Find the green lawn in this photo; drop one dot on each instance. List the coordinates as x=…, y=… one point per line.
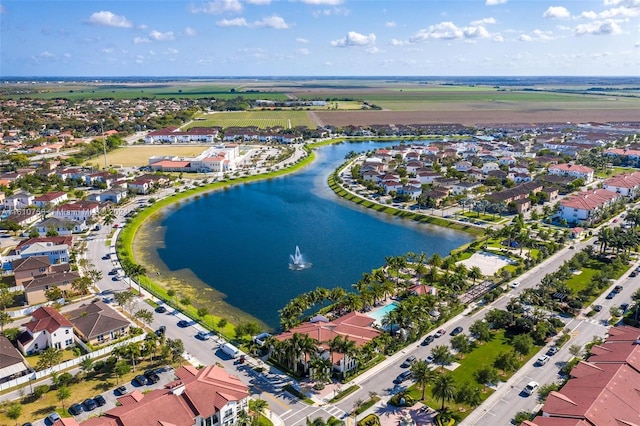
x=479, y=358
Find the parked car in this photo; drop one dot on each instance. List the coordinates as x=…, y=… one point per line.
x=617, y=289
x=456, y=331
x=553, y=350
x=161, y=309
x=121, y=390
x=427, y=340
x=624, y=307
x=633, y=274
x=75, y=409
x=440, y=332
x=161, y=331
x=429, y=359
x=140, y=380
x=542, y=360
x=597, y=308
x=100, y=401
x=151, y=376
x=89, y=404
x=530, y=388
x=202, y=335
x=183, y=323
x=514, y=284
x=407, y=362
x=405, y=375
x=53, y=417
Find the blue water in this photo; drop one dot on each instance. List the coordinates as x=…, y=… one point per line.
x=238, y=241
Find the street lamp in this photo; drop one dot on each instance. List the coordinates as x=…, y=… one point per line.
x=104, y=143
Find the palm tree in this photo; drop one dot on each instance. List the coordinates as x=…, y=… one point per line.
x=442, y=356
x=444, y=388
x=257, y=407
x=475, y=273
x=422, y=375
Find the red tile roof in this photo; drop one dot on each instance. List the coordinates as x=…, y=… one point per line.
x=47, y=318
x=50, y=196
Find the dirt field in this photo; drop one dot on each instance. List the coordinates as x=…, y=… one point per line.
x=138, y=155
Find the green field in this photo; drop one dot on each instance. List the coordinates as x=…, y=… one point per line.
x=262, y=119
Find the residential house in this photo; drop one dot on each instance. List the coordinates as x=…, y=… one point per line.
x=24, y=217
x=20, y=200
x=516, y=193
x=25, y=269
x=603, y=390
x=421, y=290
x=353, y=326
x=466, y=188
x=140, y=186
x=12, y=364
x=575, y=171
x=628, y=157
x=114, y=195
x=64, y=227
x=80, y=211
x=210, y=396
x=627, y=185
x=587, y=206
x=97, y=323
x=47, y=329
x=35, y=290
x=55, y=248
x=50, y=199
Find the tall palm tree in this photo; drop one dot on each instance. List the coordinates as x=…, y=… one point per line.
x=422, y=375
x=444, y=388
x=257, y=407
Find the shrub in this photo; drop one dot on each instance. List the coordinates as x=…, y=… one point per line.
x=370, y=420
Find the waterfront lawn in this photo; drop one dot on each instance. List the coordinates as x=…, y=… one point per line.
x=479, y=358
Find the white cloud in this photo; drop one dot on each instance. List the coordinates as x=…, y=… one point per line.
x=46, y=54
x=273, y=21
x=449, y=31
x=140, y=40
x=190, y=32
x=302, y=40
x=637, y=44
x=598, y=28
x=390, y=24
x=172, y=51
x=484, y=21
x=354, y=39
x=525, y=37
x=498, y=38
x=158, y=36
x=108, y=19
x=322, y=2
x=373, y=50
x=336, y=11
x=629, y=3
x=536, y=35
x=395, y=42
x=259, y=2
x=556, y=12
x=237, y=22
x=217, y=7
x=303, y=51
x=589, y=15
x=620, y=12
x=494, y=2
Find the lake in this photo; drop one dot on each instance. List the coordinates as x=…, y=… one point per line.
x=234, y=246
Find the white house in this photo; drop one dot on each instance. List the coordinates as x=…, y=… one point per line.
x=80, y=211
x=114, y=195
x=572, y=170
x=60, y=226
x=489, y=167
x=57, y=253
x=465, y=188
x=20, y=200
x=47, y=329
x=50, y=199
x=627, y=185
x=586, y=206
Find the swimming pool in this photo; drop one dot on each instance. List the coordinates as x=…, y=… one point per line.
x=380, y=313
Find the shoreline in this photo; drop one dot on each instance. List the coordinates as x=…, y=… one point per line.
x=129, y=248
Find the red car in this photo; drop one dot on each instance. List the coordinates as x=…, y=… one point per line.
x=440, y=332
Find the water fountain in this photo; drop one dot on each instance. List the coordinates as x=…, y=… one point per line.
x=297, y=262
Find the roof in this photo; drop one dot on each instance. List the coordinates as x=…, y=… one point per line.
x=55, y=278
x=50, y=196
x=30, y=263
x=589, y=200
x=9, y=355
x=95, y=319
x=47, y=318
x=571, y=168
x=171, y=163
x=67, y=239
x=196, y=393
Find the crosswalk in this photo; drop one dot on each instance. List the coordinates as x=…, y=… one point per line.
x=601, y=323
x=335, y=411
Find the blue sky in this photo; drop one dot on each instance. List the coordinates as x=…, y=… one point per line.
x=319, y=38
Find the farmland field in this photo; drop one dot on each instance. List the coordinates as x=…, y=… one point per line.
x=261, y=119
x=138, y=155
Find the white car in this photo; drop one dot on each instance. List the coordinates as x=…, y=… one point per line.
x=514, y=284
x=542, y=360
x=530, y=388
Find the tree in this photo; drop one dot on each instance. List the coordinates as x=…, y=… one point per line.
x=486, y=376
x=469, y=394
x=444, y=388
x=442, y=356
x=53, y=293
x=176, y=349
x=4, y=320
x=506, y=361
x=6, y=297
x=48, y=358
x=121, y=368
x=86, y=365
x=257, y=407
x=63, y=394
x=203, y=311
x=461, y=343
x=144, y=315
x=575, y=350
x=475, y=273
x=81, y=284
x=522, y=344
x=480, y=330
x=422, y=375
x=14, y=411
x=249, y=328
x=124, y=299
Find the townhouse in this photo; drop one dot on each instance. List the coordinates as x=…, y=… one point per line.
x=586, y=207
x=47, y=329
